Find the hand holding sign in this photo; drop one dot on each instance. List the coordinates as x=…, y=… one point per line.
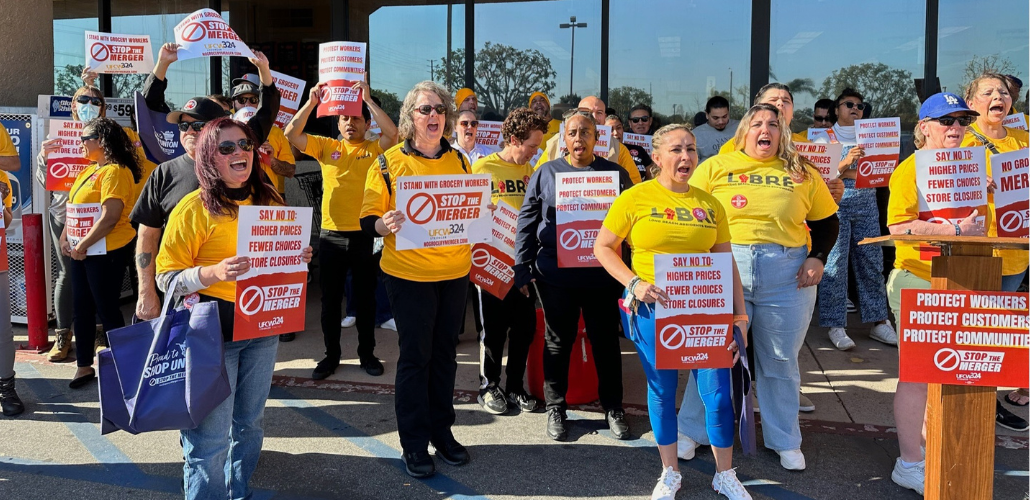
x=970, y=226
x=393, y=220
x=231, y=268
x=168, y=54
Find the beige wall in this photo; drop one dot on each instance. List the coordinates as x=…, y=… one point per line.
x=27, y=57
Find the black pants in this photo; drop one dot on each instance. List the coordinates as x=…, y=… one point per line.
x=96, y=290
x=428, y=316
x=562, y=306
x=512, y=319
x=339, y=251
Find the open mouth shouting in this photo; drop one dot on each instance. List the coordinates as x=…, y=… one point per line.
x=238, y=165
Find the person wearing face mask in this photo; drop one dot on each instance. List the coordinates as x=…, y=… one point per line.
x=617, y=153
x=717, y=130
x=541, y=105
x=175, y=178
x=859, y=219
x=512, y=318
x=342, y=244
x=277, y=160
x=565, y=293
x=465, y=130
x=640, y=157
x=943, y=119
x=641, y=120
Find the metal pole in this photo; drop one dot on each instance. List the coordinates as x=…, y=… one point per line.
x=731, y=89
x=447, y=69
x=104, y=18
x=470, y=44
x=605, y=21
x=930, y=49
x=572, y=56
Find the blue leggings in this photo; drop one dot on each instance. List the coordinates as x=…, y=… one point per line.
x=714, y=387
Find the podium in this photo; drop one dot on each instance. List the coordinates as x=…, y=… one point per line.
x=960, y=419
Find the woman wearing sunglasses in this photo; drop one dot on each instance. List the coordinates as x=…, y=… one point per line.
x=99, y=257
x=427, y=287
x=465, y=130
x=199, y=246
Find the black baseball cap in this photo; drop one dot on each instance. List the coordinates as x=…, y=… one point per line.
x=200, y=108
x=248, y=84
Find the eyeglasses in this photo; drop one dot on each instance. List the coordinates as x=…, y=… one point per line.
x=83, y=99
x=639, y=119
x=90, y=137
x=244, y=100
x=425, y=109
x=184, y=126
x=848, y=104
x=227, y=148
x=948, y=121
x=466, y=123
x=820, y=118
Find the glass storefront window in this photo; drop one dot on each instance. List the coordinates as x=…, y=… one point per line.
x=71, y=22
x=674, y=55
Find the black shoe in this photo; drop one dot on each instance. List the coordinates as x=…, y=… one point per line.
x=372, y=366
x=287, y=337
x=1009, y=420
x=556, y=429
x=325, y=368
x=9, y=400
x=493, y=400
x=79, y=382
x=523, y=400
x=418, y=464
x=452, y=453
x=617, y=423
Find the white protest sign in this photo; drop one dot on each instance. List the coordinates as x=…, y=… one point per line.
x=693, y=329
x=340, y=64
x=489, y=136
x=493, y=261
x=290, y=90
x=642, y=140
x=1017, y=120
x=582, y=201
x=443, y=210
x=116, y=54
x=821, y=135
x=601, y=147
x=951, y=183
x=881, y=140
x=1012, y=197
x=824, y=156
x=80, y=219
x=204, y=34
x=64, y=165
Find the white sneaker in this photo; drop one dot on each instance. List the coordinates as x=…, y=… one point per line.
x=348, y=321
x=685, y=447
x=804, y=404
x=909, y=477
x=792, y=459
x=840, y=339
x=667, y=485
x=389, y=325
x=851, y=307
x=884, y=333
x=726, y=484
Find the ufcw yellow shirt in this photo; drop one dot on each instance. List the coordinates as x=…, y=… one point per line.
x=6, y=144
x=194, y=237
x=97, y=184
x=344, y=166
x=1013, y=261
x=763, y=204
x=654, y=220
x=423, y=264
x=509, y=179
x=552, y=129
x=282, y=152
x=8, y=200
x=731, y=146
x=146, y=166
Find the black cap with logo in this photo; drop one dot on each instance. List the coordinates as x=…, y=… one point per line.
x=199, y=108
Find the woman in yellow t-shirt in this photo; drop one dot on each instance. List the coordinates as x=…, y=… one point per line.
x=427, y=287
x=631, y=219
x=10, y=403
x=199, y=247
x=105, y=187
x=770, y=193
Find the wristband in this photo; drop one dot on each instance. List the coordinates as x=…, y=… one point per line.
x=740, y=317
x=633, y=284
x=958, y=230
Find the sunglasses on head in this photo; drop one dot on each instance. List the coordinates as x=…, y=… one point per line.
x=848, y=104
x=83, y=99
x=227, y=148
x=425, y=109
x=573, y=112
x=184, y=126
x=948, y=121
x=466, y=123
x=89, y=137
x=244, y=100
x=639, y=119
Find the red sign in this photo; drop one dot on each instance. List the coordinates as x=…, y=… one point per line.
x=582, y=200
x=964, y=338
x=881, y=140
x=492, y=262
x=270, y=304
x=1012, y=198
x=338, y=98
x=693, y=328
x=61, y=172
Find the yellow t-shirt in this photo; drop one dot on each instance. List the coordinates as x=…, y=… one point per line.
x=146, y=166
x=8, y=200
x=509, y=179
x=731, y=146
x=654, y=220
x=6, y=144
x=423, y=264
x=282, y=152
x=762, y=202
x=99, y=184
x=1014, y=261
x=196, y=238
x=552, y=129
x=344, y=166
x=903, y=206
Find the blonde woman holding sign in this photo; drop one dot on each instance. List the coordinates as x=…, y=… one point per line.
x=630, y=219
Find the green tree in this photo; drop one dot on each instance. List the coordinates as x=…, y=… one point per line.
x=802, y=86
x=622, y=99
x=891, y=91
x=68, y=79
x=993, y=63
x=390, y=103
x=570, y=100
x=504, y=76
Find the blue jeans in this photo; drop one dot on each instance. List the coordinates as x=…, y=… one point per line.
x=780, y=314
x=859, y=219
x=716, y=389
x=1011, y=282
x=222, y=452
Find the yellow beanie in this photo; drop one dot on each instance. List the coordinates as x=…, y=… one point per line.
x=461, y=95
x=541, y=94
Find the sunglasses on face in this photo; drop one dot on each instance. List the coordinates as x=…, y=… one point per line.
x=848, y=104
x=184, y=126
x=948, y=121
x=425, y=109
x=640, y=119
x=83, y=99
x=89, y=137
x=242, y=100
x=466, y=123
x=821, y=118
x=227, y=148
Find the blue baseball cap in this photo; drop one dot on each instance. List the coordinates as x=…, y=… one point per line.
x=944, y=103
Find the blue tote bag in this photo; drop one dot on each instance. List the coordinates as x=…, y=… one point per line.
x=164, y=374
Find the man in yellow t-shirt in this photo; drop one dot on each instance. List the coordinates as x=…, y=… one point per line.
x=342, y=244
x=541, y=105
x=277, y=162
x=9, y=160
x=617, y=153
x=512, y=317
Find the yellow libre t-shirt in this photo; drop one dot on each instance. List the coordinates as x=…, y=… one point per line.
x=423, y=264
x=146, y=166
x=194, y=237
x=282, y=152
x=509, y=179
x=1014, y=261
x=903, y=206
x=552, y=129
x=344, y=166
x=654, y=220
x=111, y=182
x=763, y=204
x=731, y=146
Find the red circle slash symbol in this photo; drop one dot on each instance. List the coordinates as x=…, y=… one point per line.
x=480, y=257
x=194, y=32
x=421, y=208
x=673, y=336
x=326, y=94
x=1012, y=221
x=946, y=359
x=60, y=170
x=251, y=300
x=569, y=239
x=738, y=201
x=99, y=52
x=865, y=168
